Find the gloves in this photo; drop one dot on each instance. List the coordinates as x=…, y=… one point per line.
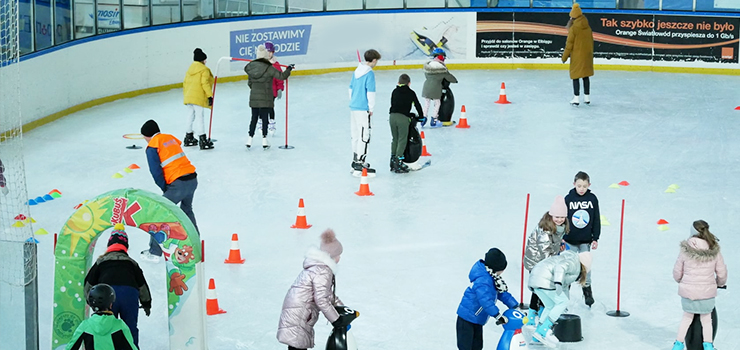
x=290, y=67
x=422, y=120
x=343, y=321
x=148, y=311
x=4, y=190
x=280, y=94
x=210, y=101
x=558, y=288
x=501, y=320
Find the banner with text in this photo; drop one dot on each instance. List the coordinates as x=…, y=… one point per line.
x=289, y=41
x=623, y=36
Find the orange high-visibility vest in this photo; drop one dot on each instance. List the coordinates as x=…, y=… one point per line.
x=172, y=159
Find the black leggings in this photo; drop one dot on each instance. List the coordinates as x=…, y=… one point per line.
x=292, y=348
x=577, y=87
x=259, y=113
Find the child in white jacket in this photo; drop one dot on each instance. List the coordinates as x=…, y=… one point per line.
x=312, y=291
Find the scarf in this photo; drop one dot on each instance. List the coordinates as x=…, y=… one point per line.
x=498, y=281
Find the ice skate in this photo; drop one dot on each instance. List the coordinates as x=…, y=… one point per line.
x=677, y=345
x=708, y=346
x=146, y=255
x=588, y=295
x=399, y=167
x=205, y=143
x=587, y=99
x=435, y=123
x=249, y=142
x=190, y=140
x=265, y=143
x=575, y=101
x=271, y=127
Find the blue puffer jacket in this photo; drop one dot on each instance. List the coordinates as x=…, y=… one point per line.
x=479, y=301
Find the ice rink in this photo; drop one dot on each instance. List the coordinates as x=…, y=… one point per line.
x=409, y=248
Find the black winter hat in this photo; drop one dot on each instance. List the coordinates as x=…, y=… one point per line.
x=199, y=55
x=150, y=128
x=495, y=260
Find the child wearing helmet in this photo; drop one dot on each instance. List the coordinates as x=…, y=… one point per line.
x=116, y=269
x=436, y=74
x=102, y=331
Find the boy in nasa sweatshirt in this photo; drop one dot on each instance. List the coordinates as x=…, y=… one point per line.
x=585, y=223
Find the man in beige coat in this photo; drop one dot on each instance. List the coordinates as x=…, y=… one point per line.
x=580, y=48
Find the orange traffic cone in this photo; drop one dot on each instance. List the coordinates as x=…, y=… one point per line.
x=364, y=187
x=235, y=255
x=300, y=220
x=463, y=124
x=212, y=300
x=424, y=152
x=502, y=96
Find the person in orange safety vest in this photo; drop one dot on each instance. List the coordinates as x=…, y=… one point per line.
x=173, y=173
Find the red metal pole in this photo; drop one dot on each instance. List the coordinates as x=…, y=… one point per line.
x=524, y=244
x=286, y=113
x=619, y=274
x=55, y=241
x=210, y=123
x=202, y=250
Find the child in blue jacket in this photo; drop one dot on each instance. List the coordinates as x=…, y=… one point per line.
x=479, y=301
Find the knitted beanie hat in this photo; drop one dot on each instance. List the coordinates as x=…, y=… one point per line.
x=118, y=240
x=199, y=55
x=495, y=260
x=269, y=46
x=576, y=12
x=330, y=244
x=262, y=52
x=150, y=128
x=558, y=207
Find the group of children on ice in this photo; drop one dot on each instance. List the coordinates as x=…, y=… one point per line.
x=557, y=255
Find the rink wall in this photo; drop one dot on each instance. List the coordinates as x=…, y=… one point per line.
x=99, y=69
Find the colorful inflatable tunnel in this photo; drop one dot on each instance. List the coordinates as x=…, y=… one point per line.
x=177, y=236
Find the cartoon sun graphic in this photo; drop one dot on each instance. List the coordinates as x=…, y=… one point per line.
x=86, y=222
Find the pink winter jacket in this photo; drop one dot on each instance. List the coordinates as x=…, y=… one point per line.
x=312, y=291
x=699, y=270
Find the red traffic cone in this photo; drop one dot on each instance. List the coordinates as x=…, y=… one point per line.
x=364, y=187
x=502, y=96
x=300, y=220
x=235, y=255
x=463, y=124
x=737, y=108
x=424, y=152
x=212, y=300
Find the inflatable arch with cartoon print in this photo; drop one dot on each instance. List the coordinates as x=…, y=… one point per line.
x=178, y=238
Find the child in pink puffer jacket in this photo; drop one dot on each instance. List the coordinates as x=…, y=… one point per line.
x=699, y=270
x=312, y=291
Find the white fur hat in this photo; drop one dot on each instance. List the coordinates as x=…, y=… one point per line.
x=262, y=52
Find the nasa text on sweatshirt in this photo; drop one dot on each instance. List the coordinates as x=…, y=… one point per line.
x=585, y=220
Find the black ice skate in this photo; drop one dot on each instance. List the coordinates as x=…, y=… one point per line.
x=205, y=143
x=190, y=140
x=588, y=295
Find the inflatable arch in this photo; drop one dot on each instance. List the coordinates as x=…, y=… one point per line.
x=178, y=238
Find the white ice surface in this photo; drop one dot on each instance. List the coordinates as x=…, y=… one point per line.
x=409, y=248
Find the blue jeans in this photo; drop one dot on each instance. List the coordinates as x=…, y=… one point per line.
x=126, y=307
x=181, y=192
x=554, y=304
x=583, y=247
